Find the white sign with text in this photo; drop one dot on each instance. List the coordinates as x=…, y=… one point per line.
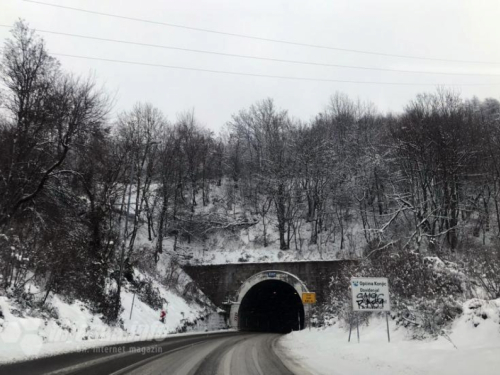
x=370, y=294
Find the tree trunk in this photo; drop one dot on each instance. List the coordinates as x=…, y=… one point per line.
x=280, y=212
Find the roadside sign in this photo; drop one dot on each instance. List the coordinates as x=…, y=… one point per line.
x=370, y=294
x=271, y=274
x=308, y=298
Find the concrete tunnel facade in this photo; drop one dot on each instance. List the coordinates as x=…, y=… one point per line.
x=229, y=286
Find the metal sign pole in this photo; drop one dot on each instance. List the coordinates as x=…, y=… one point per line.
x=310, y=308
x=387, y=321
x=350, y=328
x=132, y=307
x=357, y=325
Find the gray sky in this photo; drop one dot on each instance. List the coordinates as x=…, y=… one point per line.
x=447, y=29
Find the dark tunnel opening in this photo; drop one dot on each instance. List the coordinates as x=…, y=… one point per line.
x=271, y=306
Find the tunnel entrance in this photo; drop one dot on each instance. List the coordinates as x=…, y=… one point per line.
x=271, y=306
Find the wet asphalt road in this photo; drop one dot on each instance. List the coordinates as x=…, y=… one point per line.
x=230, y=353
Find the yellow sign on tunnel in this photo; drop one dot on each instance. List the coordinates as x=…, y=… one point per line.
x=308, y=297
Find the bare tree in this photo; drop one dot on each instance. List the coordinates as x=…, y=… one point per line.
x=139, y=132
x=48, y=110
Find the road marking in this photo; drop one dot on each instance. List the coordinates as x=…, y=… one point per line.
x=82, y=365
x=256, y=361
x=227, y=362
x=79, y=366
x=147, y=360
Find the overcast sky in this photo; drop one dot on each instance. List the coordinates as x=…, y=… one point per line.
x=446, y=29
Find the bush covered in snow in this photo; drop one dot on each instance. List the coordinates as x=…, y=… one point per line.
x=478, y=310
x=426, y=292
x=148, y=293
x=483, y=266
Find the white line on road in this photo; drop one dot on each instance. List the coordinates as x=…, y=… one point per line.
x=80, y=366
x=144, y=361
x=227, y=362
x=256, y=360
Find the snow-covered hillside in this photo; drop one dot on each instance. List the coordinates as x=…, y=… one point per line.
x=240, y=238
x=63, y=326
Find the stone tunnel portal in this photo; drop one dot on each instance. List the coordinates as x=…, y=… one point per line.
x=269, y=301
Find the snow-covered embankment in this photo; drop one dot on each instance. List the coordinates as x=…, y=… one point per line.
x=472, y=346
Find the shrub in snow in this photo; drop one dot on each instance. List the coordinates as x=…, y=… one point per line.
x=243, y=259
x=148, y=294
x=483, y=266
x=426, y=316
x=340, y=297
x=426, y=294
x=477, y=310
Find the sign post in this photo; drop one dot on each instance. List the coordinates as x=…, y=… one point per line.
x=387, y=321
x=132, y=307
x=357, y=326
x=309, y=299
x=370, y=294
x=350, y=328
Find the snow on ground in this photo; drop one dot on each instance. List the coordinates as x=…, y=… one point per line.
x=474, y=347
x=73, y=327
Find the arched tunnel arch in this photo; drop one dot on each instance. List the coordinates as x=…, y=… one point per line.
x=271, y=306
x=270, y=301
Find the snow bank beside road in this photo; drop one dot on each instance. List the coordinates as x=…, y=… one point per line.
x=73, y=327
x=476, y=334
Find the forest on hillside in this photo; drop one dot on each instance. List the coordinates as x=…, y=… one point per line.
x=425, y=180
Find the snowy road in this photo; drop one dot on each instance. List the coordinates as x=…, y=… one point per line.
x=217, y=354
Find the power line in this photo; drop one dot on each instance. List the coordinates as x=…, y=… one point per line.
x=257, y=57
x=271, y=76
x=260, y=38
